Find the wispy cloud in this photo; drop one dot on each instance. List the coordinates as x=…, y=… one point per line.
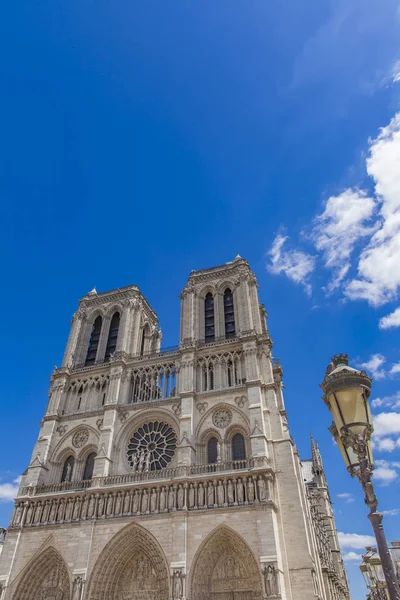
x=347, y=497
x=295, y=264
x=373, y=366
x=384, y=471
x=391, y=513
x=355, y=540
x=8, y=491
x=391, y=320
x=351, y=556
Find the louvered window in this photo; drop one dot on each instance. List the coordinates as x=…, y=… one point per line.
x=94, y=341
x=229, y=314
x=112, y=335
x=209, y=318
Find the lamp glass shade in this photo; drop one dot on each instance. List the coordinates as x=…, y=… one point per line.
x=350, y=458
x=366, y=576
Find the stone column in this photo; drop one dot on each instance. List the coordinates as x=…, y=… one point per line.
x=101, y=348
x=77, y=326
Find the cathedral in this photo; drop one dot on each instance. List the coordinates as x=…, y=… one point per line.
x=171, y=475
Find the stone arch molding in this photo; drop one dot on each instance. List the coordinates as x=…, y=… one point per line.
x=132, y=565
x=225, y=567
x=46, y=577
x=239, y=419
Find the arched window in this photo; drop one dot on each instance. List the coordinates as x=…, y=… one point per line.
x=94, y=341
x=68, y=469
x=112, y=335
x=212, y=450
x=89, y=466
x=143, y=340
x=209, y=328
x=238, y=447
x=229, y=314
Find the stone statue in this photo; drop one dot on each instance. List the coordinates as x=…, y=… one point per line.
x=127, y=503
x=148, y=457
x=153, y=500
x=75, y=513
x=239, y=491
x=181, y=496
x=45, y=513
x=220, y=493
x=53, y=511
x=210, y=494
x=218, y=452
x=162, y=499
x=201, y=495
x=171, y=498
x=29, y=513
x=118, y=503
x=68, y=512
x=145, y=501
x=271, y=580
x=191, y=495
x=141, y=461
x=77, y=588
x=68, y=472
x=262, y=489
x=135, y=503
x=178, y=585
x=250, y=490
x=18, y=514
x=100, y=506
x=109, y=505
x=134, y=463
x=231, y=496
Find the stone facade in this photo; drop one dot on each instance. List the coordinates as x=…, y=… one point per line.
x=171, y=475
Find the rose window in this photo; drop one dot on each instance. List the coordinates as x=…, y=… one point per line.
x=151, y=447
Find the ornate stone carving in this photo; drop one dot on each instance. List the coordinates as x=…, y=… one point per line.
x=202, y=407
x=222, y=418
x=77, y=587
x=99, y=423
x=80, y=438
x=241, y=401
x=151, y=447
x=270, y=576
x=61, y=429
x=178, y=580
x=177, y=409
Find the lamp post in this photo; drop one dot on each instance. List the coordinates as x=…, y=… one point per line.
x=346, y=392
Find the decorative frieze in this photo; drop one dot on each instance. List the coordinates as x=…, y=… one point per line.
x=101, y=504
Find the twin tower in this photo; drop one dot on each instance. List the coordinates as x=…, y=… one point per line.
x=171, y=475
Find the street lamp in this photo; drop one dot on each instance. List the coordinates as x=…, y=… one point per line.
x=346, y=392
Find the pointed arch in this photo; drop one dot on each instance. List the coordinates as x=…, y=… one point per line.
x=94, y=341
x=133, y=561
x=46, y=576
x=225, y=563
x=112, y=335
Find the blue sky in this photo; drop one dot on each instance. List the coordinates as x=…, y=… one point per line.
x=141, y=140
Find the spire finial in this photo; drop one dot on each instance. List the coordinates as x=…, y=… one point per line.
x=93, y=292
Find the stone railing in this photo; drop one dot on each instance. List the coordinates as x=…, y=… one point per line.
x=181, y=472
x=209, y=493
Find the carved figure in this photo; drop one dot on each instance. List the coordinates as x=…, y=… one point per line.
x=145, y=501
x=127, y=502
x=171, y=498
x=53, y=511
x=262, y=489
x=250, y=490
x=77, y=588
x=239, y=491
x=201, y=495
x=100, y=506
x=118, y=503
x=162, y=499
x=220, y=493
x=181, y=496
x=218, y=452
x=148, y=457
x=75, y=513
x=68, y=472
x=178, y=585
x=141, y=461
x=231, y=497
x=18, y=514
x=153, y=500
x=191, y=495
x=135, y=503
x=134, y=462
x=109, y=504
x=271, y=580
x=210, y=494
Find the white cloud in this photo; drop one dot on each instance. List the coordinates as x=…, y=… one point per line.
x=391, y=320
x=389, y=401
x=387, y=423
x=336, y=231
x=385, y=444
x=378, y=278
x=352, y=556
x=396, y=72
x=395, y=369
x=355, y=540
x=373, y=366
x=8, y=491
x=391, y=513
x=385, y=475
x=348, y=498
x=295, y=264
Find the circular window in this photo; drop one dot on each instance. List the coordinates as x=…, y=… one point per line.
x=151, y=447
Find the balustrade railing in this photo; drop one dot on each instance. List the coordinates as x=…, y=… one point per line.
x=180, y=472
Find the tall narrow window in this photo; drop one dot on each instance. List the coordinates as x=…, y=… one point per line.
x=238, y=447
x=143, y=341
x=112, y=335
x=68, y=469
x=94, y=341
x=212, y=450
x=229, y=314
x=89, y=466
x=209, y=331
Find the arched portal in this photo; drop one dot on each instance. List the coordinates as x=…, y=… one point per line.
x=132, y=566
x=225, y=569
x=45, y=578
